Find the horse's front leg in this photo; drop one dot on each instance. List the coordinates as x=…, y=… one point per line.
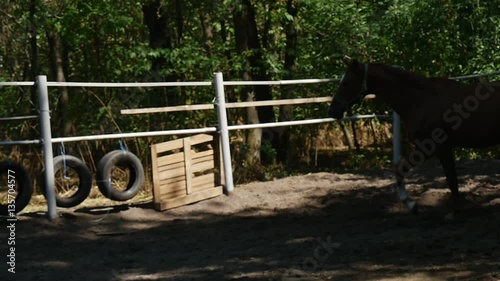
x=403, y=169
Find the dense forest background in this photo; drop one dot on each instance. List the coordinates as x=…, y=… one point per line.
x=188, y=40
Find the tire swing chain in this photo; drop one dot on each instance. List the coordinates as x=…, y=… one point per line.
x=63, y=163
x=124, y=149
x=122, y=145
x=63, y=154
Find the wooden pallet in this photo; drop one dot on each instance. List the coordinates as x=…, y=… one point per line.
x=186, y=171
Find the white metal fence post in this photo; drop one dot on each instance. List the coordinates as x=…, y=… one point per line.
x=223, y=131
x=46, y=134
x=396, y=133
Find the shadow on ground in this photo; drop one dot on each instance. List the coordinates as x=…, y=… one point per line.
x=313, y=227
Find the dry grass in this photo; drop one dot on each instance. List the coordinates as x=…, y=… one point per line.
x=39, y=204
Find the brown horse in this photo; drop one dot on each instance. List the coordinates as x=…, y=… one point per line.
x=438, y=114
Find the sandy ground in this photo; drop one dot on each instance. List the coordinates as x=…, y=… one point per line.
x=322, y=226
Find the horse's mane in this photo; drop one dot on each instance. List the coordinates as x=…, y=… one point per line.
x=417, y=81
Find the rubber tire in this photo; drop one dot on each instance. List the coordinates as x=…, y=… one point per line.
x=84, y=176
x=24, y=186
x=103, y=175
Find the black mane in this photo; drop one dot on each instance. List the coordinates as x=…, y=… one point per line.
x=429, y=85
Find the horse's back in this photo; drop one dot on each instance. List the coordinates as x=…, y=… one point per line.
x=471, y=114
x=468, y=114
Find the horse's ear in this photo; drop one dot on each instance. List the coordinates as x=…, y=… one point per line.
x=347, y=60
x=350, y=62
x=354, y=64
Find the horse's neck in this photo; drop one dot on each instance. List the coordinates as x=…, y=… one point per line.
x=399, y=90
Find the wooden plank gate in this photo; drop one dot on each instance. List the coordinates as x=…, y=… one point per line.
x=185, y=171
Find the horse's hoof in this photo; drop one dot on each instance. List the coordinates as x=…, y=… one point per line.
x=412, y=206
x=450, y=216
x=458, y=202
x=414, y=210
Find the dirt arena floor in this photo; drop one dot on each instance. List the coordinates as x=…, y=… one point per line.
x=322, y=226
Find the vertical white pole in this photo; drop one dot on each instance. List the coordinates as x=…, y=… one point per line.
x=46, y=134
x=396, y=135
x=223, y=131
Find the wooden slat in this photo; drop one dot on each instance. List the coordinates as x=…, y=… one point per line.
x=187, y=107
x=187, y=165
x=203, y=180
x=196, y=155
x=177, y=189
x=201, y=138
x=188, y=199
x=204, y=186
x=202, y=159
x=283, y=102
x=172, y=173
x=172, y=179
x=168, y=145
x=171, y=159
x=167, y=187
x=156, y=180
x=173, y=191
x=219, y=167
x=230, y=105
x=175, y=185
x=202, y=166
x=179, y=157
x=277, y=102
x=170, y=166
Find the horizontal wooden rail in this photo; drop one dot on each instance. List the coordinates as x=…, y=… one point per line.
x=229, y=105
x=277, y=102
x=282, y=102
x=167, y=109
x=279, y=82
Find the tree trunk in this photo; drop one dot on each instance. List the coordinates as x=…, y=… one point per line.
x=156, y=20
x=179, y=21
x=159, y=37
x=347, y=135
x=34, y=50
x=57, y=71
x=286, y=111
x=355, y=135
x=32, y=68
x=247, y=40
x=208, y=32
x=253, y=137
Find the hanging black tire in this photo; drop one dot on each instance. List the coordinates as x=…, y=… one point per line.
x=136, y=175
x=84, y=178
x=23, y=187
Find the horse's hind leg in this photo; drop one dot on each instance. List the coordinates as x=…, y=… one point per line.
x=447, y=159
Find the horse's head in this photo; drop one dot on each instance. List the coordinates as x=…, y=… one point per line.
x=352, y=88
